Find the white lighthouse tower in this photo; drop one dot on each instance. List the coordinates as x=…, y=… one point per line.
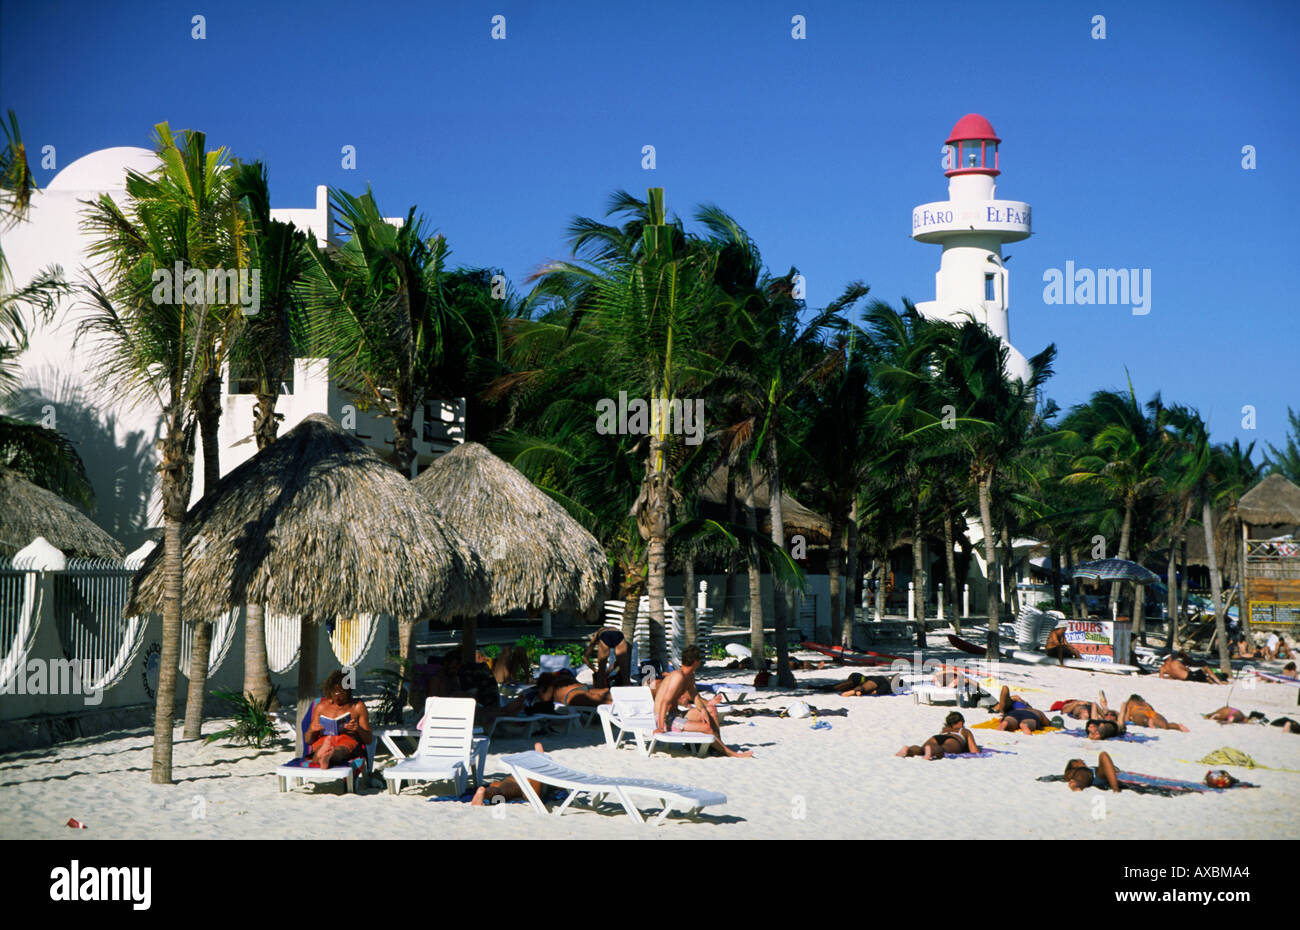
x=971, y=225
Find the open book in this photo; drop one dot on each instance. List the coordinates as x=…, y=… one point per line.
x=334, y=725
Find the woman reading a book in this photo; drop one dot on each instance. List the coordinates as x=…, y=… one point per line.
x=340, y=727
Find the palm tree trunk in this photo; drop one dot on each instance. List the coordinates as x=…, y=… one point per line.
x=403, y=438
x=406, y=650
x=658, y=569
x=733, y=558
x=833, y=572
x=257, y=673
x=1074, y=591
x=759, y=659
x=1171, y=596
x=991, y=645
x=851, y=592
x=1124, y=533
x=784, y=677
x=918, y=563
x=950, y=564
x=308, y=642
x=1007, y=570
x=688, y=601
x=882, y=575
x=171, y=648
x=1216, y=585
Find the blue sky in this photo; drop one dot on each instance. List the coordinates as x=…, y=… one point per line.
x=1129, y=148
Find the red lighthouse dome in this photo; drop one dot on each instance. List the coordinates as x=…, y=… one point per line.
x=972, y=147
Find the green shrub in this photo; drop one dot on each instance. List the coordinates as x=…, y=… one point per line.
x=392, y=691
x=533, y=646
x=491, y=651
x=717, y=651
x=253, y=725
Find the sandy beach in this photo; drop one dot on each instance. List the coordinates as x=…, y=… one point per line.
x=803, y=783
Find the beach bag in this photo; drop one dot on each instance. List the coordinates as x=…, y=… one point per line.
x=798, y=710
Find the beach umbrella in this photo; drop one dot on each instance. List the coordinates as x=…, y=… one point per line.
x=316, y=525
x=28, y=511
x=1115, y=570
x=537, y=556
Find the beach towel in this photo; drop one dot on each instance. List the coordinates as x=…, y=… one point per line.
x=1128, y=737
x=993, y=725
x=1229, y=756
x=1276, y=679
x=1154, y=784
x=984, y=753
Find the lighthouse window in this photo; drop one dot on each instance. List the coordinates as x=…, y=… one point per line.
x=989, y=293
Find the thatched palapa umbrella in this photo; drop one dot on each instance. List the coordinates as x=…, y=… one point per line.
x=28, y=511
x=316, y=525
x=1273, y=501
x=537, y=556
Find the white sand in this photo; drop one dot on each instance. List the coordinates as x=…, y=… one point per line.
x=802, y=783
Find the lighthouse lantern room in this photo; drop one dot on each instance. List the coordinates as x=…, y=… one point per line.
x=971, y=225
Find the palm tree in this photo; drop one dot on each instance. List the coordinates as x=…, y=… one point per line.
x=156, y=349
x=1287, y=459
x=994, y=418
x=264, y=355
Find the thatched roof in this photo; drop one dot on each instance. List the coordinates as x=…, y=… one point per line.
x=317, y=525
x=28, y=511
x=1274, y=500
x=536, y=555
x=794, y=516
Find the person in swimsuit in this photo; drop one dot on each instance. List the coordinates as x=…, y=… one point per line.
x=1105, y=727
x=353, y=736
x=1080, y=709
x=1138, y=711
x=859, y=685
x=672, y=717
x=567, y=690
x=1017, y=714
x=1245, y=648
x=613, y=657
x=1079, y=776
x=508, y=788
x=1176, y=667
x=1276, y=648
x=953, y=739
x=1288, y=671
x=1057, y=647
x=1227, y=714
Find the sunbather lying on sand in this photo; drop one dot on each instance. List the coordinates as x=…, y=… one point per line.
x=1227, y=714
x=1107, y=726
x=353, y=736
x=507, y=788
x=1079, y=776
x=670, y=716
x=1017, y=714
x=1177, y=667
x=1138, y=711
x=1233, y=715
x=1080, y=709
x=1288, y=671
x=859, y=685
x=953, y=739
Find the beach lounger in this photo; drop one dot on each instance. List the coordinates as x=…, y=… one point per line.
x=633, y=713
x=530, y=721
x=478, y=750
x=540, y=767
x=300, y=770
x=445, y=749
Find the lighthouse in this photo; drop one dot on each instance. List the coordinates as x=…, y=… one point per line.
x=972, y=225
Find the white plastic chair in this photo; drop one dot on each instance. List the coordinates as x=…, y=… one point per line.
x=297, y=771
x=632, y=712
x=445, y=749
x=539, y=767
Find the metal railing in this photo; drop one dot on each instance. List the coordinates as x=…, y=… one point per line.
x=89, y=595
x=19, y=617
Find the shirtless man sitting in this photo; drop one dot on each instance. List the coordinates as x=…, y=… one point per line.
x=353, y=736
x=1138, y=711
x=1176, y=667
x=1017, y=714
x=1057, y=647
x=671, y=716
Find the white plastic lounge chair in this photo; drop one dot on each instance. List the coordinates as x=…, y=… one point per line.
x=540, y=767
x=552, y=663
x=529, y=722
x=298, y=771
x=632, y=712
x=478, y=747
x=445, y=748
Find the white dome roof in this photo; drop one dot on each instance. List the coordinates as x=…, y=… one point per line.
x=104, y=170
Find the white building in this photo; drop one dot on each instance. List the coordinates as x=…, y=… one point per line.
x=114, y=434
x=971, y=225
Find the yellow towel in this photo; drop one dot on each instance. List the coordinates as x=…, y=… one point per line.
x=993, y=725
